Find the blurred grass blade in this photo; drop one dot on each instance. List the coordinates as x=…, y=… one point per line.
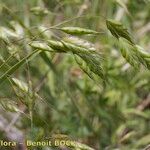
x=145, y=140
x=123, y=5
x=62, y=46
x=90, y=68
x=136, y=112
x=41, y=46
x=80, y=42
x=17, y=65
x=48, y=61
x=20, y=84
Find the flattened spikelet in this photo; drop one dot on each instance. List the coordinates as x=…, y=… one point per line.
x=40, y=45
x=8, y=105
x=118, y=30
x=77, y=31
x=23, y=87
x=83, y=65
x=63, y=46
x=80, y=42
x=91, y=65
x=17, y=65
x=131, y=52
x=134, y=55
x=7, y=35
x=20, y=84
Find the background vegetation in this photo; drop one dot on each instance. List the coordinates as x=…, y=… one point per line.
x=49, y=88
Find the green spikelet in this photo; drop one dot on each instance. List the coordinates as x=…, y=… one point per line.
x=40, y=45
x=9, y=105
x=90, y=65
x=63, y=46
x=57, y=46
x=133, y=54
x=77, y=31
x=80, y=42
x=118, y=30
x=83, y=65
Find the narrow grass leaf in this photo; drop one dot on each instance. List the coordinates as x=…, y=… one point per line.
x=48, y=61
